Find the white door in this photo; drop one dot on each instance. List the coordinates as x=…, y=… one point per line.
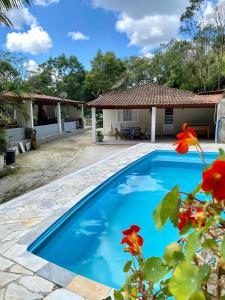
x=168, y=126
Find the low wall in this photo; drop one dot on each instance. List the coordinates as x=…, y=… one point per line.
x=15, y=134
x=70, y=126
x=47, y=130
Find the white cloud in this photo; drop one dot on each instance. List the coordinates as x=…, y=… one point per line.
x=78, y=36
x=147, y=23
x=45, y=2
x=34, y=41
x=141, y=8
x=21, y=17
x=32, y=66
x=149, y=31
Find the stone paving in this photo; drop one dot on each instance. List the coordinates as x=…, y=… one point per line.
x=24, y=276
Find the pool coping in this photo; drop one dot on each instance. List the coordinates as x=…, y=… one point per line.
x=75, y=283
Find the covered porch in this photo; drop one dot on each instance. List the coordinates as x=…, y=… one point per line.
x=152, y=112
x=49, y=116
x=154, y=124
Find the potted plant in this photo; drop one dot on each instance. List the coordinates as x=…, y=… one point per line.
x=99, y=136
x=3, y=148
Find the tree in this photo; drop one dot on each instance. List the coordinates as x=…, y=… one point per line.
x=12, y=86
x=139, y=71
x=6, y=5
x=106, y=71
x=219, y=41
x=57, y=75
x=207, y=33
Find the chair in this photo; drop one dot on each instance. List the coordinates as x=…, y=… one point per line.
x=119, y=134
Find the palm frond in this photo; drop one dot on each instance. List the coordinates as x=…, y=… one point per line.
x=6, y=5
x=12, y=4
x=5, y=20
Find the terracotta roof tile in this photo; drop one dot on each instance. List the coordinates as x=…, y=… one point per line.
x=148, y=95
x=44, y=98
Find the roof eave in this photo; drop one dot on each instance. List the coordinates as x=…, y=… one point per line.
x=99, y=106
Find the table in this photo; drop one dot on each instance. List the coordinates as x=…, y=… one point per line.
x=200, y=128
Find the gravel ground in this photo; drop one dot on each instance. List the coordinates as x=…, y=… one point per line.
x=51, y=161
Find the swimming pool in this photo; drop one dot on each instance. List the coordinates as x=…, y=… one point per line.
x=86, y=240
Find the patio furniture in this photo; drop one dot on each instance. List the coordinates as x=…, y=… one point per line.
x=127, y=133
x=130, y=133
x=118, y=134
x=202, y=128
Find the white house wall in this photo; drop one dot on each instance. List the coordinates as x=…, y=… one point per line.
x=221, y=121
x=181, y=115
x=194, y=116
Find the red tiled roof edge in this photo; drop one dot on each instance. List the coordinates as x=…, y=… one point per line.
x=40, y=97
x=149, y=95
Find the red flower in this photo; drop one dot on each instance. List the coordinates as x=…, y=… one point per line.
x=214, y=180
x=134, y=241
x=195, y=216
x=186, y=138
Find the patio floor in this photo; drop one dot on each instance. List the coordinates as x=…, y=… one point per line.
x=24, y=276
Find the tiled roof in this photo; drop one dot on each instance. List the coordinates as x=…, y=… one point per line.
x=44, y=98
x=149, y=95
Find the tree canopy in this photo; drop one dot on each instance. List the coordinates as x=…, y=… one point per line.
x=196, y=62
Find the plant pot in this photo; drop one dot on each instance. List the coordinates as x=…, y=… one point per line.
x=2, y=162
x=10, y=156
x=99, y=138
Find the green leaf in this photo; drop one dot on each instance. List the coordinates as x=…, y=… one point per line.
x=199, y=295
x=185, y=281
x=221, y=154
x=193, y=243
x=118, y=295
x=154, y=269
x=222, y=249
x=127, y=266
x=174, y=217
x=167, y=208
x=178, y=257
x=209, y=244
x=204, y=272
x=186, y=228
x=169, y=252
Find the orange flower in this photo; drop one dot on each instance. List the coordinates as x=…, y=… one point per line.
x=134, y=241
x=214, y=180
x=195, y=216
x=186, y=138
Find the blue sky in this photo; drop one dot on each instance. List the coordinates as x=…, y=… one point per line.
x=81, y=27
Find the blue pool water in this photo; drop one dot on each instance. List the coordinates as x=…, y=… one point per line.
x=87, y=239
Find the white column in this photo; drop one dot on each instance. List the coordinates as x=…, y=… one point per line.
x=59, y=120
x=82, y=111
x=153, y=124
x=30, y=121
x=93, y=123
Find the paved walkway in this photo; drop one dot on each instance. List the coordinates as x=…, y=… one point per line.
x=22, y=274
x=52, y=161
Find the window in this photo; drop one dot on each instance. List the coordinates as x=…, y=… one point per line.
x=168, y=119
x=127, y=115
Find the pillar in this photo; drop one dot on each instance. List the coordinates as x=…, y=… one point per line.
x=153, y=124
x=93, y=123
x=59, y=120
